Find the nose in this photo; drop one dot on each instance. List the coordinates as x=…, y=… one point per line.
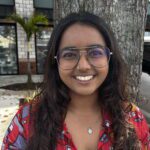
x=83, y=63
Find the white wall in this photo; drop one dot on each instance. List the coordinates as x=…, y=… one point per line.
x=25, y=9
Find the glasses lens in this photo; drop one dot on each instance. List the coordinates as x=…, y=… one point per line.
x=68, y=58
x=98, y=56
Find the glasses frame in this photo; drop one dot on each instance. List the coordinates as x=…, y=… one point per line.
x=82, y=49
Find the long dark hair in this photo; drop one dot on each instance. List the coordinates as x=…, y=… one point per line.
x=50, y=107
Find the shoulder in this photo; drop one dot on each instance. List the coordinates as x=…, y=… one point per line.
x=23, y=115
x=18, y=130
x=135, y=115
x=138, y=121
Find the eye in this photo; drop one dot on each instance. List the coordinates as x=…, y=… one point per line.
x=69, y=55
x=96, y=53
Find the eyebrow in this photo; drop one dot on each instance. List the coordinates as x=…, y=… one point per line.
x=73, y=47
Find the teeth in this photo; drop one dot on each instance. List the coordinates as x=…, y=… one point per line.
x=84, y=78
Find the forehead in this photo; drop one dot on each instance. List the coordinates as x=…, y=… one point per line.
x=81, y=35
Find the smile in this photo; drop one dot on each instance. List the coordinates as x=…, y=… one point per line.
x=84, y=78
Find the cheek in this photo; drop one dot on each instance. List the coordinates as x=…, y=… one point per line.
x=60, y=73
x=106, y=71
x=64, y=75
x=103, y=74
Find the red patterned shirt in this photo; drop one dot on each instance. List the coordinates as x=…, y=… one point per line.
x=17, y=135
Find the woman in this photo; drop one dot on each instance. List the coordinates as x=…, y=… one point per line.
x=83, y=104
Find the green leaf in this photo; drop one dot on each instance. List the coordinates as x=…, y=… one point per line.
x=30, y=25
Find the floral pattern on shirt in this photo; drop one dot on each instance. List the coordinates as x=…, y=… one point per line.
x=17, y=134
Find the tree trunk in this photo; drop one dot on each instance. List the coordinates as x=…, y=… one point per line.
x=127, y=19
x=29, y=73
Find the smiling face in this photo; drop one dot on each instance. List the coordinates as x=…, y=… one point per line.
x=83, y=79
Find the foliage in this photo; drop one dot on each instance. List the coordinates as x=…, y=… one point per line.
x=30, y=24
x=30, y=27
x=30, y=97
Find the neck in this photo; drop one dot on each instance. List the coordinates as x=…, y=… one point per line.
x=84, y=105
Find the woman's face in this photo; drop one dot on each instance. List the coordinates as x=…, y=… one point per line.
x=84, y=78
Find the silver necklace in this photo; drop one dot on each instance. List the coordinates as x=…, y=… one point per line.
x=90, y=128
x=90, y=131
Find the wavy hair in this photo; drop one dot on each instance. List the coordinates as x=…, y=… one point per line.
x=49, y=110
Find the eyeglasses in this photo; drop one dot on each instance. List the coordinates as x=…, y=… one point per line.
x=97, y=56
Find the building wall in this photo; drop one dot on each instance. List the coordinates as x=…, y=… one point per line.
x=13, y=53
x=25, y=9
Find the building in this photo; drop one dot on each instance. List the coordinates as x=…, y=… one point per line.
x=13, y=50
x=146, y=54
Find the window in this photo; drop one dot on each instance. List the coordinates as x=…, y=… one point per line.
x=47, y=12
x=8, y=50
x=148, y=17
x=44, y=7
x=147, y=36
x=7, y=2
x=6, y=11
x=42, y=39
x=43, y=3
x=146, y=53
x=6, y=8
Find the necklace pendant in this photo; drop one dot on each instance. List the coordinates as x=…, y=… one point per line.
x=90, y=131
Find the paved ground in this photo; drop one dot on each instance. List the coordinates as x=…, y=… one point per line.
x=9, y=99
